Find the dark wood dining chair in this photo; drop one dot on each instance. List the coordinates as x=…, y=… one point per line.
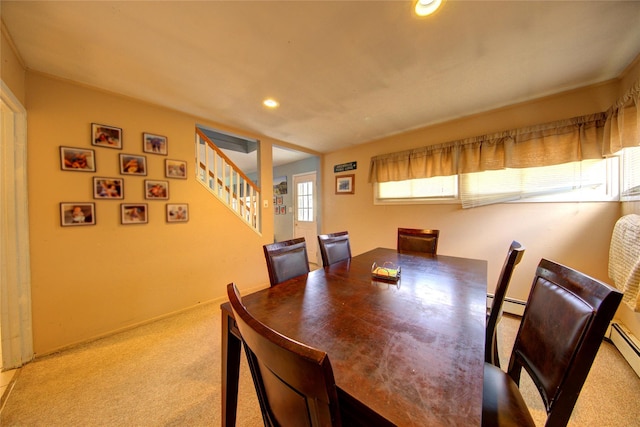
x=514, y=256
x=286, y=260
x=418, y=241
x=334, y=247
x=294, y=382
x=564, y=322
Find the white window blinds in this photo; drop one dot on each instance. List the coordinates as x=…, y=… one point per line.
x=579, y=181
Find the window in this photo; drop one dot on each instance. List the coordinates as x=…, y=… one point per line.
x=589, y=180
x=585, y=181
x=630, y=177
x=437, y=189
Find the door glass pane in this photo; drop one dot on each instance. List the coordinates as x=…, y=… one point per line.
x=305, y=202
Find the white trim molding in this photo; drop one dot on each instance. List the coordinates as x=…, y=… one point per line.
x=15, y=276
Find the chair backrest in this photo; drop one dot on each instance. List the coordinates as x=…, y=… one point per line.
x=334, y=247
x=514, y=255
x=563, y=324
x=294, y=382
x=286, y=260
x=416, y=240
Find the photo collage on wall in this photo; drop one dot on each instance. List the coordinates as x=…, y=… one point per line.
x=79, y=159
x=279, y=189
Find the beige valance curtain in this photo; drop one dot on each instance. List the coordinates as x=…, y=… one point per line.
x=623, y=122
x=548, y=144
x=435, y=160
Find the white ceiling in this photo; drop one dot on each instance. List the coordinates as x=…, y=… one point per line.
x=248, y=162
x=345, y=72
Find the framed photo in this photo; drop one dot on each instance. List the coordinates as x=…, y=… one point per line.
x=280, y=185
x=175, y=169
x=131, y=213
x=74, y=214
x=177, y=212
x=156, y=144
x=131, y=164
x=156, y=189
x=283, y=210
x=77, y=159
x=279, y=200
x=106, y=136
x=345, y=184
x=108, y=188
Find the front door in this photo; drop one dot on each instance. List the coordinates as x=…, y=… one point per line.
x=305, y=212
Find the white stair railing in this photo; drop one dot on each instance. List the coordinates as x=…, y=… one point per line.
x=227, y=182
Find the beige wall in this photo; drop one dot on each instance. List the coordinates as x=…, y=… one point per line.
x=12, y=68
x=630, y=75
x=576, y=234
x=91, y=280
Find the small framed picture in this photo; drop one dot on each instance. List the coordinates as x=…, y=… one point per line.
x=131, y=213
x=156, y=189
x=283, y=210
x=279, y=200
x=345, y=184
x=73, y=214
x=108, y=188
x=280, y=185
x=106, y=136
x=155, y=144
x=175, y=169
x=133, y=165
x=77, y=159
x=178, y=212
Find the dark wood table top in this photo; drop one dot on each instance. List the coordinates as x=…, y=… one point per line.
x=411, y=352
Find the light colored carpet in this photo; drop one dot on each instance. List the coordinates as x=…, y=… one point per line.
x=167, y=373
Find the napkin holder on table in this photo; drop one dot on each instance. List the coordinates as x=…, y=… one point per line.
x=388, y=272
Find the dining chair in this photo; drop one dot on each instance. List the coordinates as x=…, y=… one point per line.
x=294, y=382
x=514, y=256
x=286, y=260
x=417, y=240
x=334, y=247
x=563, y=324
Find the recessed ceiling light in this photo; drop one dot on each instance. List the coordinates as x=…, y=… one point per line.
x=270, y=103
x=427, y=7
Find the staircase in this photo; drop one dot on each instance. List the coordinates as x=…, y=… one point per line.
x=227, y=182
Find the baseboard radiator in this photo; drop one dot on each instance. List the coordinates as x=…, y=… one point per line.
x=627, y=345
x=510, y=305
x=618, y=335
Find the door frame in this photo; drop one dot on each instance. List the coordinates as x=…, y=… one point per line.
x=16, y=336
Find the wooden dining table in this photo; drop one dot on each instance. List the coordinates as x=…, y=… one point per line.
x=405, y=353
